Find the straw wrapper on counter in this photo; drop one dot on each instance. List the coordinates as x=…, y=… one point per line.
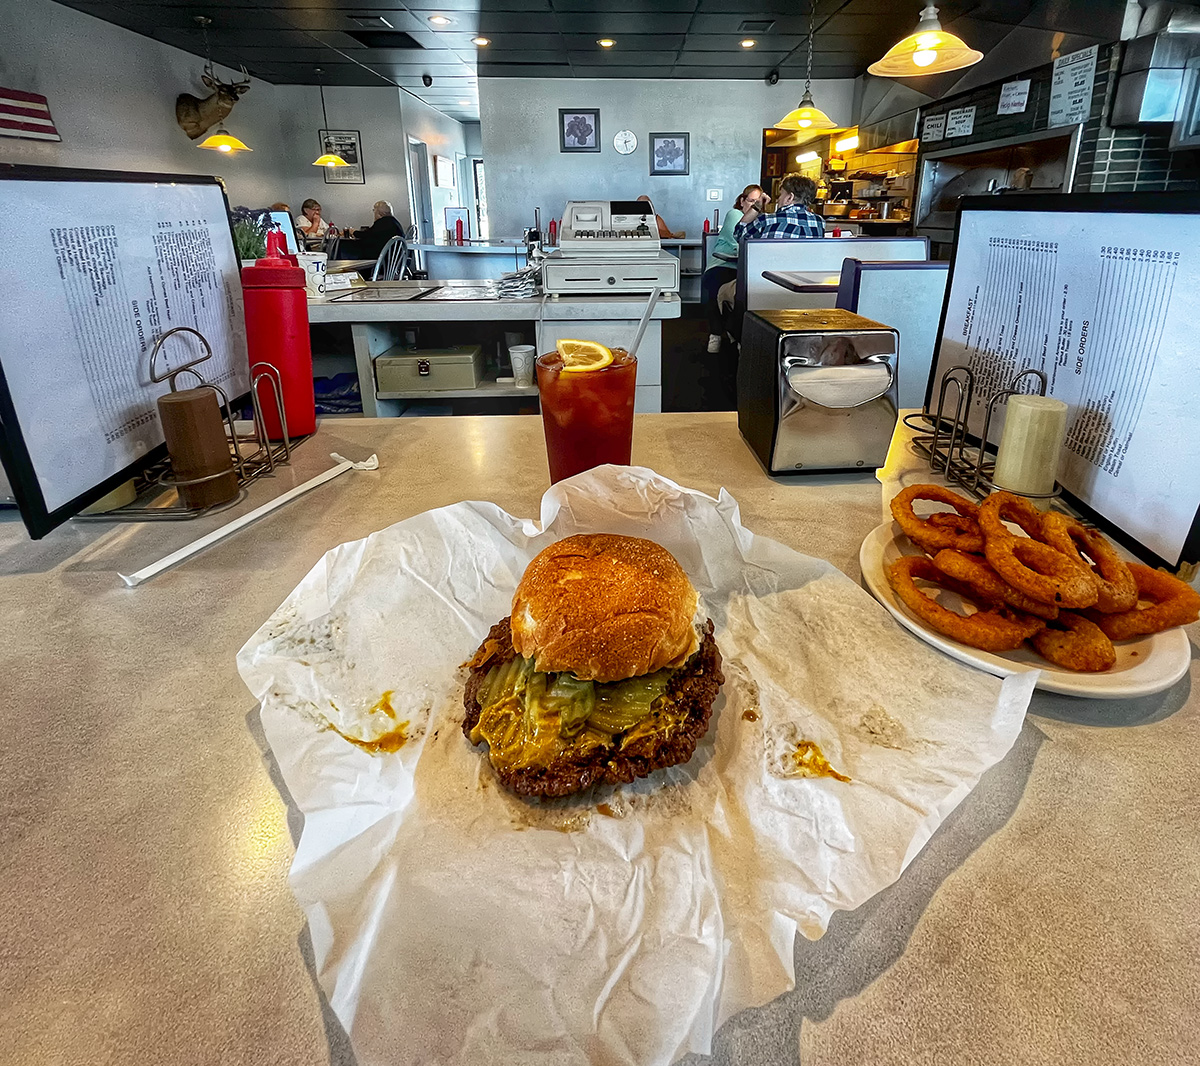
x=453, y=922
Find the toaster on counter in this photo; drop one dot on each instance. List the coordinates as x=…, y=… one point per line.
x=817, y=390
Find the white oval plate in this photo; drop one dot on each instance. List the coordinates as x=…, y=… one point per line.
x=1144, y=666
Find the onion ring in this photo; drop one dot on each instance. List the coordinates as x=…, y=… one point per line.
x=1001, y=505
x=984, y=581
x=1076, y=643
x=1116, y=586
x=1174, y=603
x=1041, y=572
x=988, y=630
x=949, y=532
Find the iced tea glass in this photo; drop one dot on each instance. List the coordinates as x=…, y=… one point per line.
x=587, y=415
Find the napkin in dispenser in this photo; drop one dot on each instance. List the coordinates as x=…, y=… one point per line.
x=817, y=390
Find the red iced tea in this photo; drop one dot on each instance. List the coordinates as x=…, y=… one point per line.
x=587, y=414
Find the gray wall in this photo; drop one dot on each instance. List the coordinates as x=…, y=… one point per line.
x=112, y=95
x=519, y=119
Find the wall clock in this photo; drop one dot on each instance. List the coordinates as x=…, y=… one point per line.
x=625, y=142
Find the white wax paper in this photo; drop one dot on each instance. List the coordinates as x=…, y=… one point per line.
x=456, y=923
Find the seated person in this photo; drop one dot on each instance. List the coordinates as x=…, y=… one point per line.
x=722, y=260
x=383, y=229
x=664, y=231
x=791, y=219
x=792, y=216
x=309, y=223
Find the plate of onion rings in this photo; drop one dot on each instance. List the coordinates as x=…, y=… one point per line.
x=959, y=607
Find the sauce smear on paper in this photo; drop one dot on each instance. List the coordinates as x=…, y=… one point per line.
x=811, y=762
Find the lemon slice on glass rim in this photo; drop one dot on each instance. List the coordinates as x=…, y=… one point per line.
x=578, y=356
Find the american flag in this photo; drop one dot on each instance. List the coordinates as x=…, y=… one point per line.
x=25, y=114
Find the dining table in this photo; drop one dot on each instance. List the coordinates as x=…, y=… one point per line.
x=148, y=834
x=801, y=281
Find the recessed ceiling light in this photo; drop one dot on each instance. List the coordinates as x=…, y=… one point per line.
x=440, y=20
x=483, y=42
x=464, y=103
x=606, y=42
x=748, y=43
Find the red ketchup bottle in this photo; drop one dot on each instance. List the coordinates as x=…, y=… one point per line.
x=277, y=333
x=553, y=232
x=706, y=225
x=458, y=230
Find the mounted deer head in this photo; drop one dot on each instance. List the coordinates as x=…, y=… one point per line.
x=196, y=116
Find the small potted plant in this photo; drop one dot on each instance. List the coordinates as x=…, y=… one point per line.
x=250, y=233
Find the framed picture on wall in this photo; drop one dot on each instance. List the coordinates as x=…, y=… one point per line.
x=578, y=129
x=443, y=172
x=347, y=144
x=669, y=154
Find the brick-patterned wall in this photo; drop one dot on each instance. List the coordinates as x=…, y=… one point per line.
x=1134, y=159
x=1130, y=159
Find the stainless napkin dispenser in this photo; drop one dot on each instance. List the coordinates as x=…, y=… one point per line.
x=817, y=390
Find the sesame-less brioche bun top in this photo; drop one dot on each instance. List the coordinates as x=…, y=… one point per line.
x=604, y=607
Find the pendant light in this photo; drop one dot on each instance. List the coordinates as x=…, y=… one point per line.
x=807, y=116
x=927, y=50
x=220, y=140
x=326, y=159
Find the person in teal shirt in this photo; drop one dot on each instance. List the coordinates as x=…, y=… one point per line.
x=722, y=260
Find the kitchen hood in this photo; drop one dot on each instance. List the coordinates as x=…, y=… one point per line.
x=1151, y=79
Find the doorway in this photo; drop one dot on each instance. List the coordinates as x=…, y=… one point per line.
x=418, y=190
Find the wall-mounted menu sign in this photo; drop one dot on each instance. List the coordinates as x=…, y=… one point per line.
x=1071, y=87
x=1014, y=97
x=960, y=122
x=108, y=263
x=934, y=127
x=1101, y=294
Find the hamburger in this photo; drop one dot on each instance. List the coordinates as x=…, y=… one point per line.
x=603, y=673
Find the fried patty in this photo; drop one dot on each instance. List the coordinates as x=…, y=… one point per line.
x=690, y=695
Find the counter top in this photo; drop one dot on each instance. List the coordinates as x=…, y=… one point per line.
x=556, y=308
x=1050, y=920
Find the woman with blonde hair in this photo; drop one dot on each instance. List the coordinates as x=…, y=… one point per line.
x=722, y=261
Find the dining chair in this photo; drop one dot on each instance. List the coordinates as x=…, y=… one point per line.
x=331, y=247
x=392, y=264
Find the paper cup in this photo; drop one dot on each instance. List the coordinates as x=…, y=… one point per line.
x=314, y=264
x=522, y=356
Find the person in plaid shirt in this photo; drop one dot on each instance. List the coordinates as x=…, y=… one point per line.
x=792, y=217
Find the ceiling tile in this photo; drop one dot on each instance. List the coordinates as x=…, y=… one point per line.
x=614, y=24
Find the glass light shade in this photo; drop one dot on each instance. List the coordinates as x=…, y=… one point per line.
x=330, y=159
x=223, y=141
x=806, y=117
x=928, y=50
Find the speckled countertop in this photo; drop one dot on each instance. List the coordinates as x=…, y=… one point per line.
x=145, y=844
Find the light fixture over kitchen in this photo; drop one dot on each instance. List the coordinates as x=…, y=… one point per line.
x=748, y=43
x=439, y=20
x=846, y=144
x=606, y=42
x=326, y=159
x=807, y=116
x=927, y=50
x=482, y=42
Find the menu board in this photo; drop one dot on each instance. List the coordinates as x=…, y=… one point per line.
x=108, y=263
x=1101, y=294
x=1071, y=87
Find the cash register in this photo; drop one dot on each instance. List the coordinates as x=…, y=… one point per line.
x=609, y=246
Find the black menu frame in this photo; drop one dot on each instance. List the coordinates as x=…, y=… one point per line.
x=14, y=453
x=1100, y=204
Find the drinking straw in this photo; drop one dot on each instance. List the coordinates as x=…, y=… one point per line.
x=232, y=527
x=641, y=330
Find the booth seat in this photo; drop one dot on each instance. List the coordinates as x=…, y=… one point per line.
x=811, y=255
x=907, y=296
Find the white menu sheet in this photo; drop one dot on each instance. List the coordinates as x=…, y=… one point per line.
x=106, y=268
x=1106, y=305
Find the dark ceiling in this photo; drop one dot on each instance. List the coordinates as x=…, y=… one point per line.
x=284, y=41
